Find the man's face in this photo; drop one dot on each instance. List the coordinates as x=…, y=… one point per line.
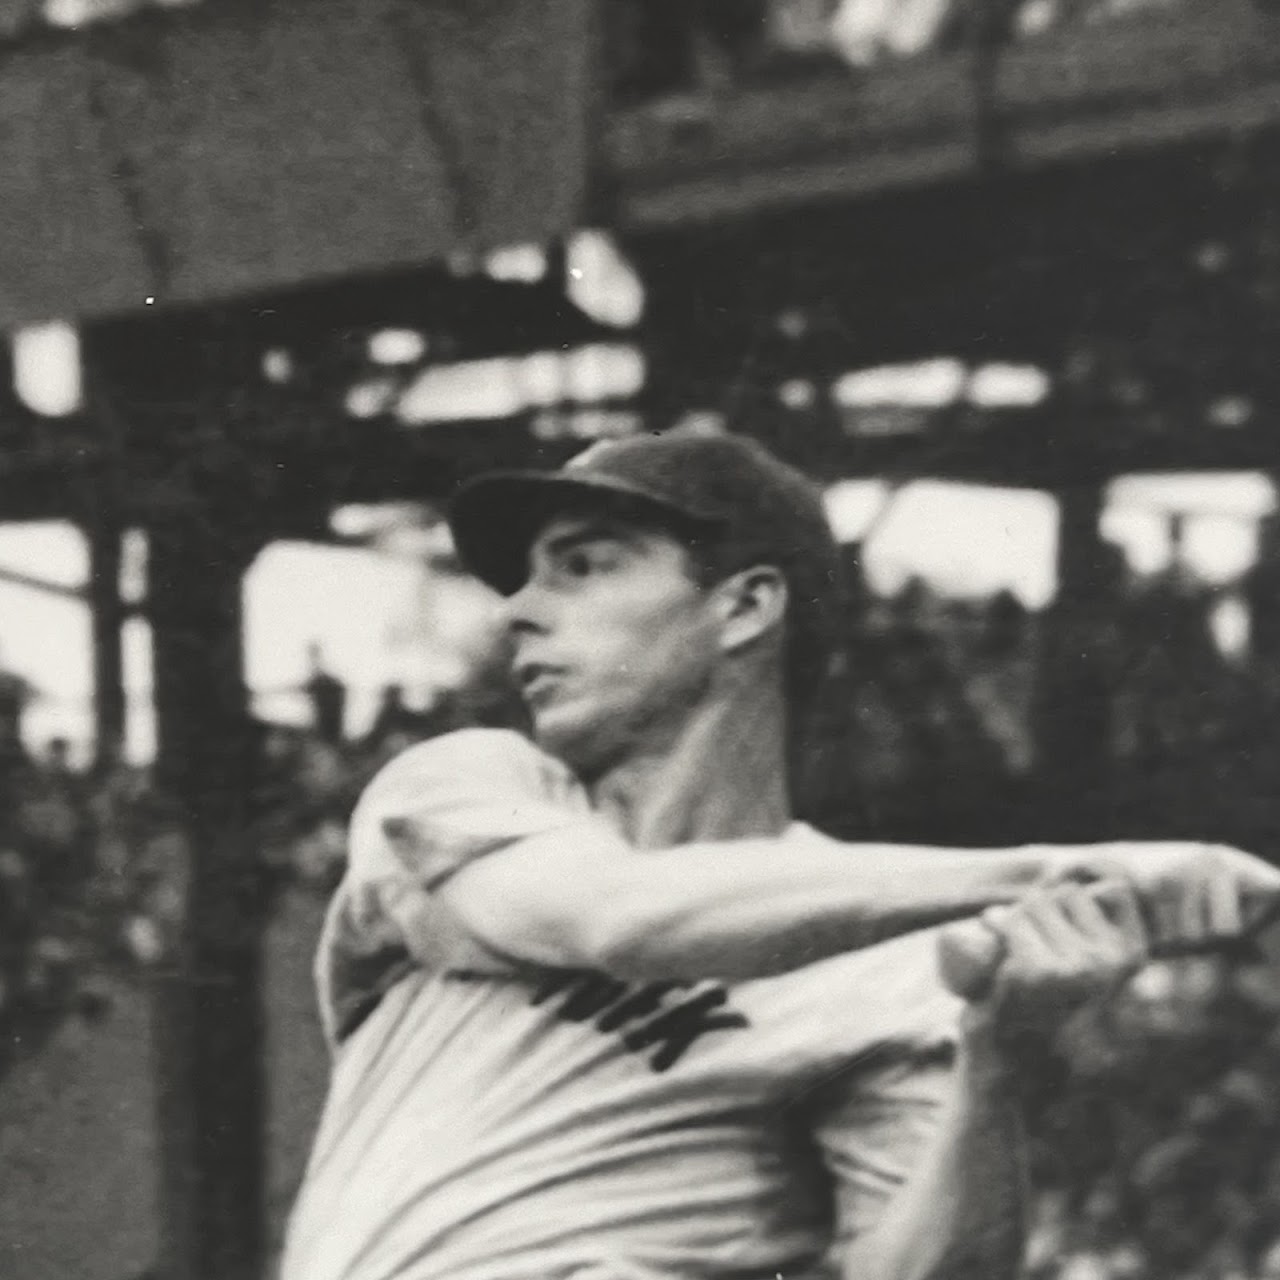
x=614, y=642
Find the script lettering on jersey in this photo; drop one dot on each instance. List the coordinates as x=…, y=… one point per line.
x=668, y=1018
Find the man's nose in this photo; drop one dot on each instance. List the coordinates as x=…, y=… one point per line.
x=526, y=612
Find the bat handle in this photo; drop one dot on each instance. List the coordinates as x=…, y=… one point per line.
x=969, y=954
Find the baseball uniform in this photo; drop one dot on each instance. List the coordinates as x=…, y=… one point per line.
x=489, y=1120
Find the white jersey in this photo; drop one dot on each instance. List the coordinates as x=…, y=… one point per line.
x=490, y=1123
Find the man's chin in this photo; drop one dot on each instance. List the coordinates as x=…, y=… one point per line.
x=572, y=739
x=556, y=734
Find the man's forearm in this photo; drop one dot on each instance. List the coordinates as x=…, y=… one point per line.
x=749, y=910
x=962, y=1214
x=735, y=910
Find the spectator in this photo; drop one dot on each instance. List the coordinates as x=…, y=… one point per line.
x=390, y=716
x=328, y=697
x=16, y=694
x=58, y=758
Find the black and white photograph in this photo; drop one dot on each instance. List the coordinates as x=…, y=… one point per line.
x=639, y=640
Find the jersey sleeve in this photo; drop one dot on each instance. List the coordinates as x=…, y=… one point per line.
x=430, y=812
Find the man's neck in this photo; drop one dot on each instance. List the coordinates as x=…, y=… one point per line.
x=724, y=777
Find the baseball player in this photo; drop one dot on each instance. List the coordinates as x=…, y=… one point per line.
x=601, y=1009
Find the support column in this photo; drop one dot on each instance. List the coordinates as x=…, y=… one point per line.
x=107, y=618
x=1263, y=592
x=1073, y=730
x=208, y=1011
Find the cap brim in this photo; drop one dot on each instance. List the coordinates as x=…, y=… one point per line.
x=495, y=518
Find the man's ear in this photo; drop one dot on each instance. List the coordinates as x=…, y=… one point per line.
x=752, y=602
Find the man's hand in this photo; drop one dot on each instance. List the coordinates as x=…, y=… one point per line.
x=962, y=1212
x=1193, y=894
x=1026, y=968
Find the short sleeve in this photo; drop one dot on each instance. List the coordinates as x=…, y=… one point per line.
x=874, y=1128
x=447, y=802
x=430, y=812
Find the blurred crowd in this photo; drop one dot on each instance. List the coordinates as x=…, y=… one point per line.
x=670, y=47
x=94, y=862
x=940, y=707
x=1157, y=1153
x=1157, y=1124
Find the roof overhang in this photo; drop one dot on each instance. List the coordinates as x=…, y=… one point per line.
x=233, y=148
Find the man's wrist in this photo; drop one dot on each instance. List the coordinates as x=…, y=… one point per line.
x=1085, y=862
x=1016, y=869
x=1055, y=859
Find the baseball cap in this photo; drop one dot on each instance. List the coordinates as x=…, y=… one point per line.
x=726, y=491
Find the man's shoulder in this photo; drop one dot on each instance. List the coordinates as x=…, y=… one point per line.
x=462, y=745
x=498, y=758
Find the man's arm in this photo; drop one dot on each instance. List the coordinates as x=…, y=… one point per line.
x=501, y=837
x=929, y=1163
x=580, y=897
x=960, y=1214
x=530, y=874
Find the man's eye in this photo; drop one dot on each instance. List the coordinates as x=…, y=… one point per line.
x=579, y=564
x=583, y=562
